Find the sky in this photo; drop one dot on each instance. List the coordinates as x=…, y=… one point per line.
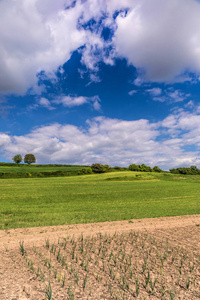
x=100, y=81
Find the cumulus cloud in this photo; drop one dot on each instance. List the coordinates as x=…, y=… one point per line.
x=35, y=37
x=40, y=36
x=160, y=38
x=112, y=141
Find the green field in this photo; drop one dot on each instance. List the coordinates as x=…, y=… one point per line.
x=35, y=168
x=95, y=198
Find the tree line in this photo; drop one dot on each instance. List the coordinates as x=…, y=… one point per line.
x=193, y=170
x=99, y=168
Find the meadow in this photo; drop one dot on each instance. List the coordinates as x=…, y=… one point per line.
x=30, y=202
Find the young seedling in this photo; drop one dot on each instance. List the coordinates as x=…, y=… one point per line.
x=70, y=293
x=144, y=266
x=32, y=267
x=55, y=273
x=42, y=276
x=162, y=290
x=38, y=272
x=58, y=255
x=147, y=279
x=188, y=282
x=76, y=275
x=85, y=282
x=137, y=286
x=152, y=285
x=63, y=281
x=53, y=248
x=21, y=244
x=48, y=291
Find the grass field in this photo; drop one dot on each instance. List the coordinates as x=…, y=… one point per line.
x=96, y=198
x=33, y=168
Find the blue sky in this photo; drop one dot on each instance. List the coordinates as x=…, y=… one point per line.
x=108, y=81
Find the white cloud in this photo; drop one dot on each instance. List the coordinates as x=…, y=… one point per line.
x=155, y=91
x=67, y=101
x=113, y=141
x=71, y=101
x=35, y=37
x=4, y=140
x=167, y=95
x=138, y=81
x=190, y=104
x=132, y=92
x=177, y=96
x=161, y=38
x=46, y=103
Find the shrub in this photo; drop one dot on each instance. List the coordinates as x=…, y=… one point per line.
x=85, y=171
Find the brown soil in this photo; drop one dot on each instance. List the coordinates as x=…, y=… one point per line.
x=98, y=267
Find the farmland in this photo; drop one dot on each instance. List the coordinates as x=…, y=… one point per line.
x=142, y=259
x=153, y=258
x=96, y=198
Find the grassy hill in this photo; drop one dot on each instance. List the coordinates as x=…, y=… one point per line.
x=27, y=202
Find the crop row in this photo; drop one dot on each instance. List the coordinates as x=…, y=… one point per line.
x=119, y=266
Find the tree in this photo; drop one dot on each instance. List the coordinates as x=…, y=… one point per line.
x=106, y=168
x=97, y=168
x=134, y=167
x=17, y=158
x=144, y=168
x=29, y=159
x=157, y=169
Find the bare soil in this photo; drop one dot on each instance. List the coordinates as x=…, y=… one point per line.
x=145, y=259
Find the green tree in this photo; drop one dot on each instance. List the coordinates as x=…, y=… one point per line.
x=29, y=159
x=157, y=169
x=133, y=167
x=106, y=168
x=144, y=168
x=97, y=168
x=194, y=170
x=17, y=158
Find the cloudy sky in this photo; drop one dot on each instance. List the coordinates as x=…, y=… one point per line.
x=108, y=81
